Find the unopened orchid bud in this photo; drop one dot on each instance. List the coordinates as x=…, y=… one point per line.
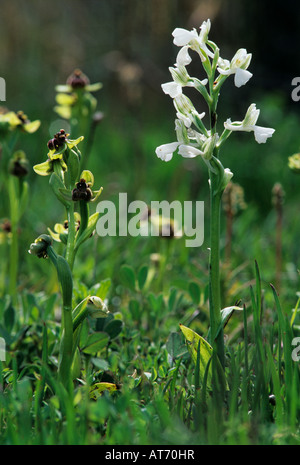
x=40, y=245
x=97, y=308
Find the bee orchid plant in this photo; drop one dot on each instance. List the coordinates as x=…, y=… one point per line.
x=74, y=189
x=195, y=139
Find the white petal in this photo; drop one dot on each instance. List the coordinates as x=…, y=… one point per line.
x=187, y=151
x=183, y=57
x=262, y=134
x=241, y=77
x=204, y=82
x=183, y=37
x=165, y=151
x=204, y=30
x=235, y=126
x=225, y=72
x=223, y=63
x=187, y=121
x=172, y=88
x=228, y=175
x=251, y=116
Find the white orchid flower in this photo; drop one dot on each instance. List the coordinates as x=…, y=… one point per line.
x=261, y=134
x=186, y=110
x=183, y=37
x=183, y=58
x=238, y=66
x=188, y=151
x=172, y=88
x=165, y=151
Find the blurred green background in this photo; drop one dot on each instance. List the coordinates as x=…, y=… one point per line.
x=127, y=45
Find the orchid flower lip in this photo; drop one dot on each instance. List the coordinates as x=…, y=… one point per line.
x=188, y=151
x=183, y=57
x=238, y=66
x=172, y=88
x=165, y=151
x=182, y=36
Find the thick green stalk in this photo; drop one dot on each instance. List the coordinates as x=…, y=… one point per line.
x=214, y=268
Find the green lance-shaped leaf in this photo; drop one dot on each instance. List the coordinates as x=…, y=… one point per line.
x=65, y=277
x=58, y=186
x=91, y=226
x=67, y=347
x=201, y=350
x=73, y=167
x=206, y=351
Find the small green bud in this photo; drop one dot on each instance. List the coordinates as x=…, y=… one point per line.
x=40, y=245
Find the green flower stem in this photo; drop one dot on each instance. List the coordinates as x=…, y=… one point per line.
x=14, y=247
x=84, y=216
x=214, y=268
x=70, y=249
x=67, y=348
